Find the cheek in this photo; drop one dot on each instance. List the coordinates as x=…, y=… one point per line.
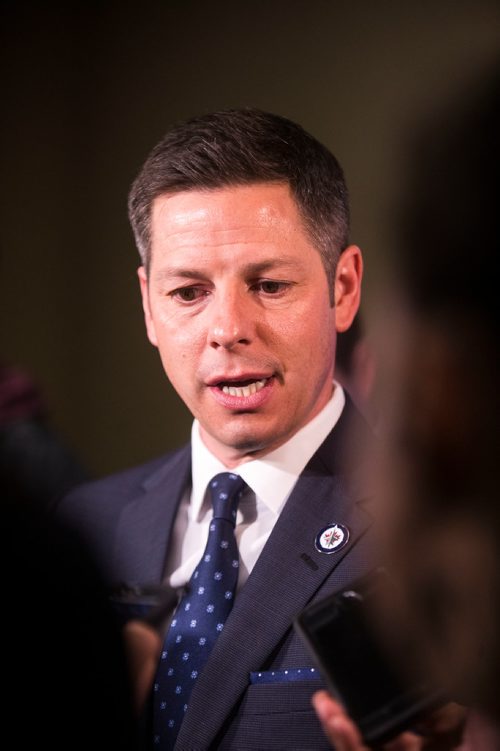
x=175, y=332
x=180, y=367
x=304, y=327
x=307, y=356
x=313, y=333
x=179, y=346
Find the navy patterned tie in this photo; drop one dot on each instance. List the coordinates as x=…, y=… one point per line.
x=200, y=615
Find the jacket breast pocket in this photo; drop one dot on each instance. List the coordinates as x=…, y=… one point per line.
x=276, y=716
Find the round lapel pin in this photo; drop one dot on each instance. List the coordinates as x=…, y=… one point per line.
x=331, y=539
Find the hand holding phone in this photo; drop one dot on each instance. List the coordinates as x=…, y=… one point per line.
x=442, y=729
x=359, y=669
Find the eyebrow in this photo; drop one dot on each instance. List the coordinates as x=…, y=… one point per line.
x=249, y=269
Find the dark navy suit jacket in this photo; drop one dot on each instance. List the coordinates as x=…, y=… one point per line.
x=128, y=520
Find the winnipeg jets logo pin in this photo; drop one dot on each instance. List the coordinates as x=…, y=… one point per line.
x=331, y=539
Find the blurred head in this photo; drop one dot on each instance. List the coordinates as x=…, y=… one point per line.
x=246, y=146
x=439, y=490
x=438, y=497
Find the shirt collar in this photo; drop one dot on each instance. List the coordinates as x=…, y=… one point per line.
x=271, y=477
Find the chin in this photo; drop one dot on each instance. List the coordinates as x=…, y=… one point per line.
x=247, y=444
x=244, y=443
x=241, y=438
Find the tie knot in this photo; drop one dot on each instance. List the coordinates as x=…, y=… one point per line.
x=226, y=490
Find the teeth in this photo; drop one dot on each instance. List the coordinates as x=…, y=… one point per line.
x=247, y=390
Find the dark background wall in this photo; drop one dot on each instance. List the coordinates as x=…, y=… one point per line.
x=87, y=89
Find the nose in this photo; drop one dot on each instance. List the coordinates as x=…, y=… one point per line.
x=231, y=321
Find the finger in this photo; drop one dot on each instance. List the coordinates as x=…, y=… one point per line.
x=143, y=646
x=337, y=726
x=406, y=742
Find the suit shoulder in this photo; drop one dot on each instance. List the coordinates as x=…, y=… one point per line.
x=118, y=487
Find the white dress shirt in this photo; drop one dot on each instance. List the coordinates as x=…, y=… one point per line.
x=271, y=479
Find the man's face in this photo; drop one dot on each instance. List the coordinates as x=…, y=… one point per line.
x=238, y=304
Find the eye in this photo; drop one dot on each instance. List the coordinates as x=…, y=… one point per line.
x=270, y=287
x=187, y=294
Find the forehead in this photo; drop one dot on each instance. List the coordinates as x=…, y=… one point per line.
x=257, y=211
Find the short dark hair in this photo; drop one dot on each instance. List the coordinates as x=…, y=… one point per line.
x=239, y=147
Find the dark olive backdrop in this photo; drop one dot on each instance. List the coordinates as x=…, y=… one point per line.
x=87, y=89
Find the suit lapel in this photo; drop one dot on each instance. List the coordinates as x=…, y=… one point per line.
x=287, y=575
x=146, y=522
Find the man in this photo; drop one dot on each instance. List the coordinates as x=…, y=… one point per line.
x=241, y=219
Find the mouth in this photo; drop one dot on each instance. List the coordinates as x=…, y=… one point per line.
x=243, y=388
x=242, y=392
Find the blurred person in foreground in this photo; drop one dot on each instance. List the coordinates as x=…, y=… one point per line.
x=74, y=679
x=438, y=493
x=68, y=684
x=35, y=461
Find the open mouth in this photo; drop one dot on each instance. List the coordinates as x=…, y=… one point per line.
x=242, y=388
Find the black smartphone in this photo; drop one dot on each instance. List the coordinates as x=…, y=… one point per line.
x=357, y=665
x=151, y=603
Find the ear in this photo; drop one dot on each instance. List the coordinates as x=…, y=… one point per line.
x=148, y=318
x=347, y=291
